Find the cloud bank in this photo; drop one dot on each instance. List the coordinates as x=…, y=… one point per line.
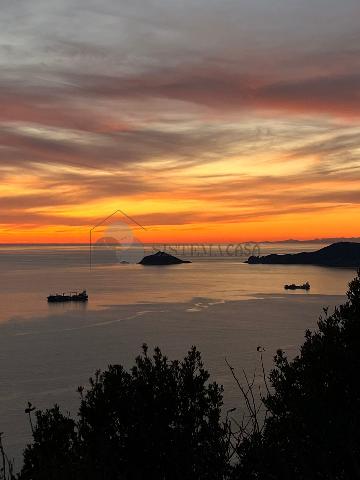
x=204, y=119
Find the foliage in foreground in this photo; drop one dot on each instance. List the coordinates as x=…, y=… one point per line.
x=313, y=426
x=162, y=420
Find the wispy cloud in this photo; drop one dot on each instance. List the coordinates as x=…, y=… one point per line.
x=189, y=114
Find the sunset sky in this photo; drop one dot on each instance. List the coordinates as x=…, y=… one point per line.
x=203, y=120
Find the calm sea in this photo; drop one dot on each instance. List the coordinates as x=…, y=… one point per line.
x=224, y=306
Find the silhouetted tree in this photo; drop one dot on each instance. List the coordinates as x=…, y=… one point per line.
x=313, y=428
x=54, y=452
x=160, y=420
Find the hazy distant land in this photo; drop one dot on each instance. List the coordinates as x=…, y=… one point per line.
x=270, y=242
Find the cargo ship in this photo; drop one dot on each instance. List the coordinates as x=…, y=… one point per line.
x=292, y=286
x=70, y=297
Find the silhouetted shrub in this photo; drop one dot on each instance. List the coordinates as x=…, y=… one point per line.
x=54, y=452
x=313, y=427
x=161, y=420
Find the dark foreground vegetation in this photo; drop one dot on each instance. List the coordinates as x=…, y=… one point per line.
x=163, y=420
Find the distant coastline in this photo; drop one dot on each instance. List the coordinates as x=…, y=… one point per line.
x=268, y=242
x=340, y=254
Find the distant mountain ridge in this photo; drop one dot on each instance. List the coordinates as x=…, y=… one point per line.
x=341, y=254
x=317, y=240
x=289, y=240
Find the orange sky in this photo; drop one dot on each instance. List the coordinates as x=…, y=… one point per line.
x=210, y=124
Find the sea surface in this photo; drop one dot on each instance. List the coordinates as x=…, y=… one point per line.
x=219, y=303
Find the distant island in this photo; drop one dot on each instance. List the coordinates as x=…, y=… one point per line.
x=341, y=254
x=162, y=258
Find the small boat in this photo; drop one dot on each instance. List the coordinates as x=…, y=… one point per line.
x=292, y=286
x=71, y=297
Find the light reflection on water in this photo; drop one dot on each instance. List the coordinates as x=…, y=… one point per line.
x=29, y=274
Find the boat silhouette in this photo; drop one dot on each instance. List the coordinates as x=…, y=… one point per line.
x=293, y=286
x=70, y=297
